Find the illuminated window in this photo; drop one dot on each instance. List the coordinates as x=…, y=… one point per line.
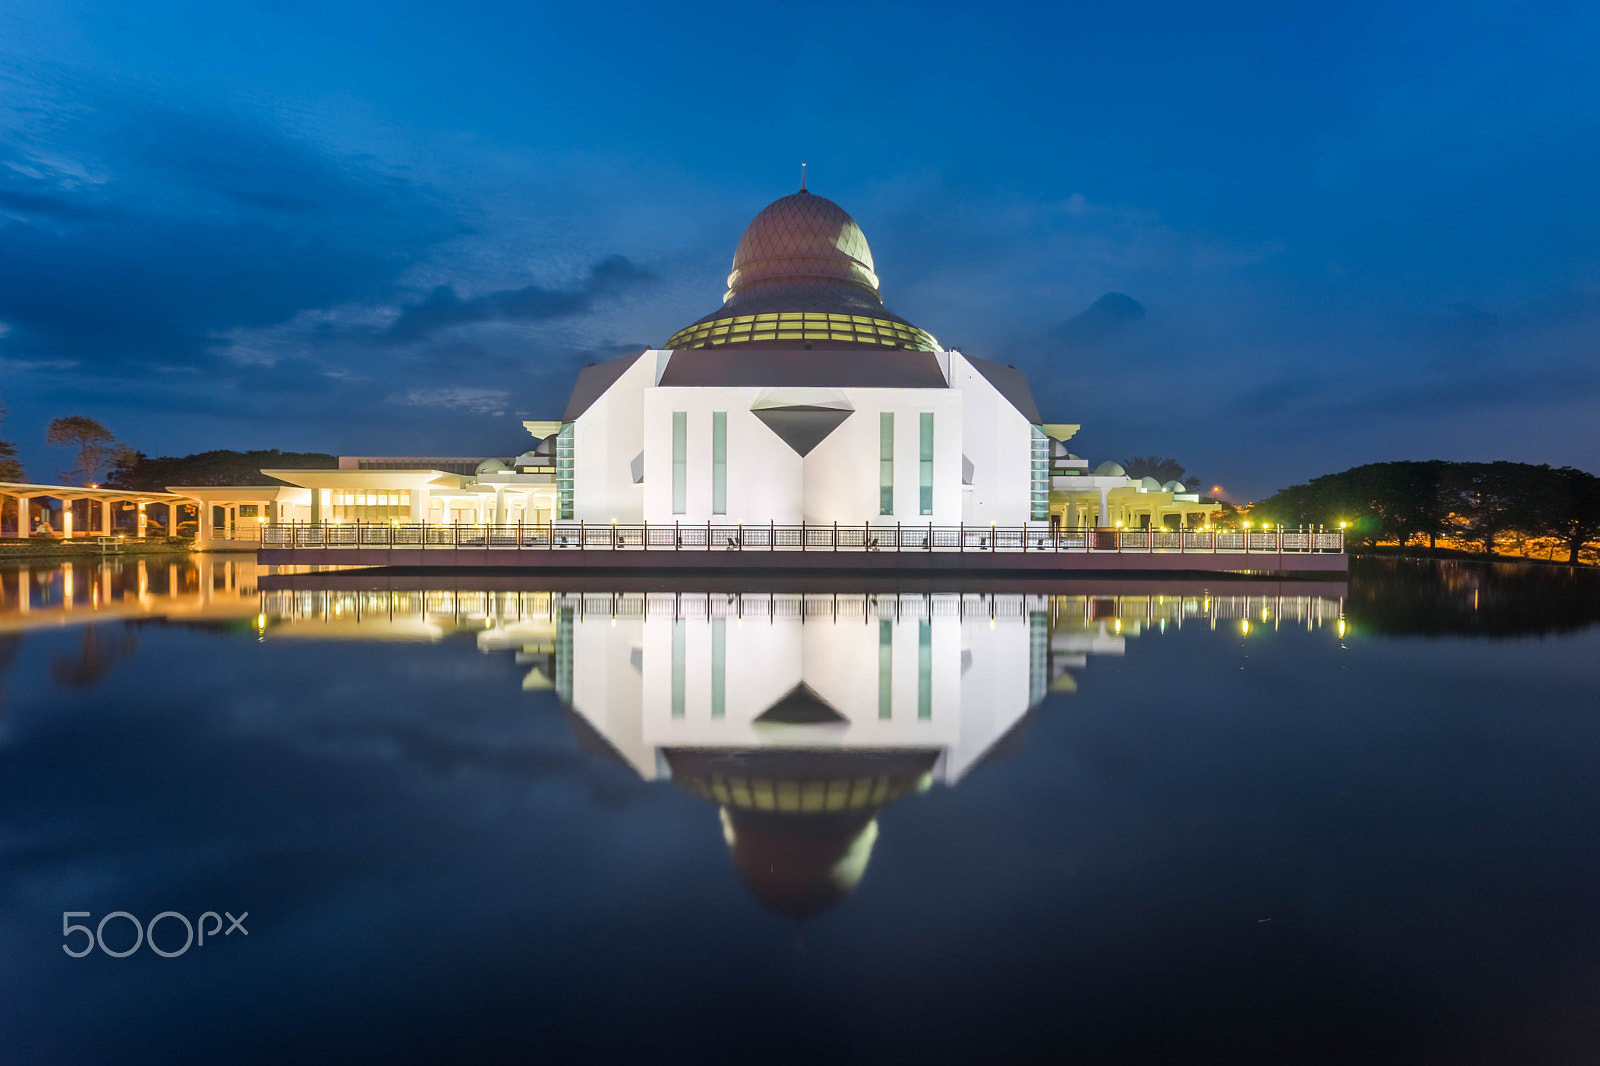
x=680, y=462
x=886, y=462
x=1039, y=478
x=564, y=471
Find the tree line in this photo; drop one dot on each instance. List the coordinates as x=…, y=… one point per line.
x=99, y=458
x=1475, y=504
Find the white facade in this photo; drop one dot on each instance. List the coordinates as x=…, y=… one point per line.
x=624, y=452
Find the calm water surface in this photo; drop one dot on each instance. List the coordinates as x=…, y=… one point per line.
x=491, y=819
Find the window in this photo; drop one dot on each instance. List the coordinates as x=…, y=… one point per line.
x=680, y=462
x=1039, y=481
x=719, y=462
x=885, y=669
x=564, y=471
x=926, y=458
x=886, y=463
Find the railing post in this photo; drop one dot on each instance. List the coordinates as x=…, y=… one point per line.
x=581, y=536
x=961, y=537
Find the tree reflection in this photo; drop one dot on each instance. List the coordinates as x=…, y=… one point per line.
x=1447, y=597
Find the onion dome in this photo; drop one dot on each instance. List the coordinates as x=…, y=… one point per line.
x=803, y=278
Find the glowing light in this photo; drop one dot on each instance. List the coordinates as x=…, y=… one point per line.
x=1343, y=524
x=1247, y=523
x=1244, y=627
x=1341, y=627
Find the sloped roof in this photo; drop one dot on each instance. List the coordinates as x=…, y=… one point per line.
x=1010, y=383
x=594, y=380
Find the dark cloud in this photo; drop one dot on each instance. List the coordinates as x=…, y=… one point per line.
x=1100, y=321
x=443, y=309
x=204, y=225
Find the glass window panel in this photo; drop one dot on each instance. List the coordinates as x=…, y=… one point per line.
x=886, y=462
x=719, y=462
x=680, y=462
x=925, y=456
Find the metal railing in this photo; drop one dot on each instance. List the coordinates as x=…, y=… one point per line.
x=579, y=536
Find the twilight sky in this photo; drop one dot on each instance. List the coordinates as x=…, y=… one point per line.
x=1362, y=232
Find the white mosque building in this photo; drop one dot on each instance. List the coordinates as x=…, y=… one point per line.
x=801, y=399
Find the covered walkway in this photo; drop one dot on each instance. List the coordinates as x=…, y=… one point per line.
x=67, y=511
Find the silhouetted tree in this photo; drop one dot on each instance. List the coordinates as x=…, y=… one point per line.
x=1475, y=501
x=1568, y=508
x=95, y=443
x=1159, y=467
x=221, y=467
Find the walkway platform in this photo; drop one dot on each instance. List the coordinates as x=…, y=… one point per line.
x=806, y=549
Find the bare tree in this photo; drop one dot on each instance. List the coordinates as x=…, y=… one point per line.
x=95, y=443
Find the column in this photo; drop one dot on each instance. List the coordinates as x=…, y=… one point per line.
x=316, y=506
x=172, y=520
x=105, y=518
x=66, y=519
x=1103, y=518
x=419, y=504
x=143, y=520
x=202, y=524
x=24, y=517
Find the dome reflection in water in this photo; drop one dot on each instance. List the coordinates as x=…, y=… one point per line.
x=800, y=716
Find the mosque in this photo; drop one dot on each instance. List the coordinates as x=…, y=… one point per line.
x=801, y=399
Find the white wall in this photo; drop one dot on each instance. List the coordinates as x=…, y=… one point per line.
x=999, y=442
x=764, y=474
x=606, y=437
x=841, y=473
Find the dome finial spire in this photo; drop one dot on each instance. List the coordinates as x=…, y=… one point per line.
x=802, y=177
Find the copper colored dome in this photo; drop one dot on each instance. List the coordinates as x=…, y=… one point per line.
x=803, y=277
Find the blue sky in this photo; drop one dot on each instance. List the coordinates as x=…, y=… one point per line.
x=1338, y=234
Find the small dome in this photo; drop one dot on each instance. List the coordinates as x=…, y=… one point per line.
x=1149, y=484
x=1174, y=486
x=492, y=466
x=1110, y=469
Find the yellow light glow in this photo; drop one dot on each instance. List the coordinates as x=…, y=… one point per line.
x=1341, y=627
x=1247, y=523
x=1343, y=524
x=1244, y=626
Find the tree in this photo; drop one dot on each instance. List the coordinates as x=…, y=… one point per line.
x=1569, y=508
x=10, y=468
x=96, y=446
x=135, y=470
x=1159, y=467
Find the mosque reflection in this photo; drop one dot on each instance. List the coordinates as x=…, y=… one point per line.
x=799, y=716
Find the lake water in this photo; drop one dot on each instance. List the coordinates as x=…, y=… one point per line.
x=486, y=819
